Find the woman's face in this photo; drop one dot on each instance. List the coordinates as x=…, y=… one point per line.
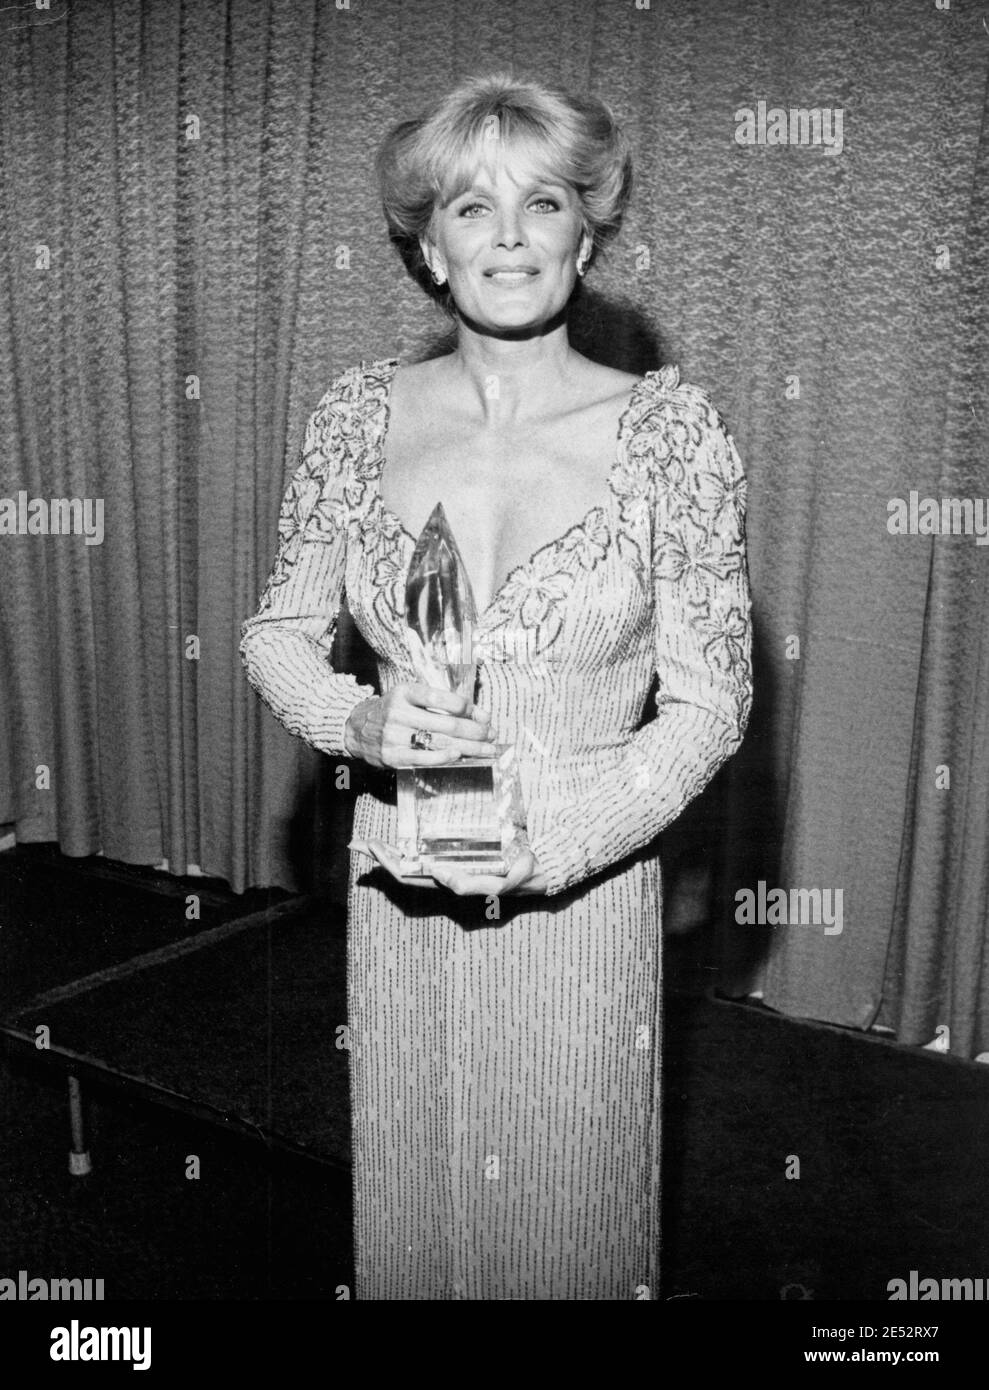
x=508, y=246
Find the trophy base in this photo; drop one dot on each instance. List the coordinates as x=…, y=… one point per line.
x=468, y=814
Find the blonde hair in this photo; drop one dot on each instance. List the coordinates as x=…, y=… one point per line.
x=424, y=163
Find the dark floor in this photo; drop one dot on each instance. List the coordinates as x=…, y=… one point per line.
x=245, y=1227
x=67, y=917
x=891, y=1143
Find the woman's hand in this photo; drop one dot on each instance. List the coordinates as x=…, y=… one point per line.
x=523, y=877
x=380, y=730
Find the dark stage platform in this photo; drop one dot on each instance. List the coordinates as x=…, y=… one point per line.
x=238, y=1024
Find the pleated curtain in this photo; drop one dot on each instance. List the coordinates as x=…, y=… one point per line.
x=193, y=248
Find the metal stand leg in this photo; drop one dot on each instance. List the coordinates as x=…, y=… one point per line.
x=79, y=1161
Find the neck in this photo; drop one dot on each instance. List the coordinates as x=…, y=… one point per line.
x=508, y=376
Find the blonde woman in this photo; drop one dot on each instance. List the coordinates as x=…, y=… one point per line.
x=505, y=1055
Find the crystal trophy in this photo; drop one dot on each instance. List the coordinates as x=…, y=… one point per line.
x=468, y=812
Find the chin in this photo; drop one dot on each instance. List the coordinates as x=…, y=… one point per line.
x=515, y=318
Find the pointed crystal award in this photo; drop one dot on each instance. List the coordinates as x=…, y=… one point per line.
x=469, y=812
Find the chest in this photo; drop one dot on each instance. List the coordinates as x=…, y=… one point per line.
x=507, y=493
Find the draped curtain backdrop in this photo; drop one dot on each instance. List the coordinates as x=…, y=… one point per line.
x=193, y=248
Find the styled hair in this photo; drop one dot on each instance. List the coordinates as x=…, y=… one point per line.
x=425, y=163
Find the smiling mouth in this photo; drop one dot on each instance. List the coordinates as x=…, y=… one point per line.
x=511, y=279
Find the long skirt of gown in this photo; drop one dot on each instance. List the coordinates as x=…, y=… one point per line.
x=505, y=1086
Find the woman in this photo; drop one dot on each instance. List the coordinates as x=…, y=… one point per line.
x=505, y=1029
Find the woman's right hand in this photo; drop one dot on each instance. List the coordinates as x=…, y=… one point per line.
x=380, y=730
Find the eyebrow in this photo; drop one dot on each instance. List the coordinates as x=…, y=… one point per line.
x=489, y=193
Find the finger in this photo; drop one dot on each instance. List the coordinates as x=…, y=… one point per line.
x=469, y=729
x=445, y=731
x=391, y=861
x=387, y=856
x=468, y=747
x=438, y=713
x=404, y=755
x=519, y=872
x=467, y=884
x=462, y=747
x=421, y=696
x=379, y=852
x=495, y=885
x=449, y=726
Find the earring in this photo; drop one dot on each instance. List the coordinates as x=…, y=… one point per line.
x=581, y=266
x=438, y=277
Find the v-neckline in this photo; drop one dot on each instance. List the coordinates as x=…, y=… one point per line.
x=392, y=364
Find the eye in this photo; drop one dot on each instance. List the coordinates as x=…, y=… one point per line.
x=545, y=204
x=471, y=209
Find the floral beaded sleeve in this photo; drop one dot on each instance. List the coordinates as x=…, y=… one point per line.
x=681, y=509
x=285, y=647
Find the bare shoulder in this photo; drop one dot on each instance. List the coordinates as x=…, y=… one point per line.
x=414, y=384
x=602, y=383
x=612, y=376
x=411, y=371
x=414, y=376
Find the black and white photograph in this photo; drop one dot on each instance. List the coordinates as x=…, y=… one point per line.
x=494, y=670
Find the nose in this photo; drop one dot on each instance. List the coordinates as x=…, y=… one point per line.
x=509, y=232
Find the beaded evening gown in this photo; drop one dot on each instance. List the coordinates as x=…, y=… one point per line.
x=505, y=1070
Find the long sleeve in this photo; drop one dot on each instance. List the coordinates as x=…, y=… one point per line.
x=690, y=488
x=285, y=647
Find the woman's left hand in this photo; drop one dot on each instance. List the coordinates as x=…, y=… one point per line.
x=523, y=877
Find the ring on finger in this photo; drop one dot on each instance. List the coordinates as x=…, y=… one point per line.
x=421, y=739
